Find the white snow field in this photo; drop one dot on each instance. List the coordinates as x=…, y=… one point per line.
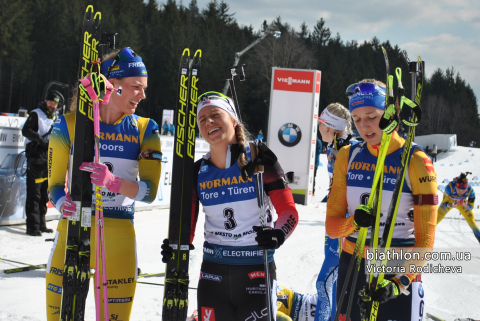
x=448, y=296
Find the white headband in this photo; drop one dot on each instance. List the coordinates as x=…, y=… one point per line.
x=332, y=121
x=220, y=103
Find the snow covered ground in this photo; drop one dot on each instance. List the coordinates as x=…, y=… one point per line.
x=22, y=295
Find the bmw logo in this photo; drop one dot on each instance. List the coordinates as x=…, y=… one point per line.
x=420, y=290
x=289, y=134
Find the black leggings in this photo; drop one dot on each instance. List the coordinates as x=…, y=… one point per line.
x=37, y=196
x=233, y=292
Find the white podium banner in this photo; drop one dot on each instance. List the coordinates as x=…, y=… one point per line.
x=292, y=125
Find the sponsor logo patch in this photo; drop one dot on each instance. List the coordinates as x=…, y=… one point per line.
x=257, y=315
x=256, y=274
x=428, y=179
x=54, y=288
x=120, y=300
x=208, y=314
x=358, y=102
x=211, y=277
x=429, y=165
x=289, y=134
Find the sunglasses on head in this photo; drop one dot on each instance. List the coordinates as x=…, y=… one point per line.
x=363, y=88
x=123, y=55
x=461, y=186
x=213, y=95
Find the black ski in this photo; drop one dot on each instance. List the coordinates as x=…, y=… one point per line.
x=25, y=268
x=76, y=273
x=175, y=299
x=30, y=267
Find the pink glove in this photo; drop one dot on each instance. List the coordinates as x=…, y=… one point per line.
x=465, y=204
x=101, y=176
x=69, y=207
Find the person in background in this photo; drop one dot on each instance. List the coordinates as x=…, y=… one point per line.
x=37, y=131
x=427, y=150
x=460, y=195
x=260, y=136
x=318, y=151
x=293, y=306
x=434, y=152
x=166, y=128
x=172, y=130
x=336, y=128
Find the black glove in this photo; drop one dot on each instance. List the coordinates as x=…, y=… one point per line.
x=268, y=238
x=364, y=216
x=386, y=290
x=265, y=157
x=43, y=144
x=167, y=252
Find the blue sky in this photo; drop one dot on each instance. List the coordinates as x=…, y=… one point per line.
x=444, y=33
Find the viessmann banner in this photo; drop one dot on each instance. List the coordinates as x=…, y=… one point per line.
x=292, y=125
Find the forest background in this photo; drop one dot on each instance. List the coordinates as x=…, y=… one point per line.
x=40, y=41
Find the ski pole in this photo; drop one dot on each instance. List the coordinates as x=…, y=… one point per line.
x=100, y=235
x=230, y=74
x=262, y=215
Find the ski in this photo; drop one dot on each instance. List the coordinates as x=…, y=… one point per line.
x=411, y=115
x=76, y=274
x=30, y=267
x=24, y=269
x=148, y=275
x=388, y=123
x=434, y=318
x=175, y=298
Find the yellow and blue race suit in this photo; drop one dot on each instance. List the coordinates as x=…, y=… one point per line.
x=464, y=203
x=120, y=146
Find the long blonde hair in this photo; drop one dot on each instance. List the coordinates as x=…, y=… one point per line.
x=243, y=136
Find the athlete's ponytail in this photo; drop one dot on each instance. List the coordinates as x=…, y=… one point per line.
x=242, y=136
x=462, y=179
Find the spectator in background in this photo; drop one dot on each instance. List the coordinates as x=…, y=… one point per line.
x=172, y=130
x=166, y=128
x=260, y=138
x=37, y=131
x=434, y=152
x=427, y=150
